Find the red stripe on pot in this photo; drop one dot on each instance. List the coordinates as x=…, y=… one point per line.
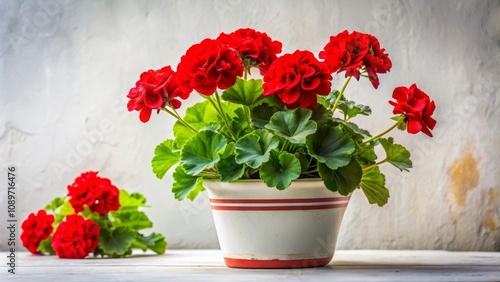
x=278, y=208
x=281, y=201
x=276, y=263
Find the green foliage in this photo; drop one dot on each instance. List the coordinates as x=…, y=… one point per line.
x=155, y=242
x=202, y=151
x=281, y=169
x=294, y=125
x=261, y=115
x=45, y=247
x=229, y=170
x=253, y=149
x=350, y=109
x=344, y=179
x=165, y=157
x=331, y=146
x=116, y=242
x=244, y=92
x=373, y=185
x=186, y=185
x=396, y=154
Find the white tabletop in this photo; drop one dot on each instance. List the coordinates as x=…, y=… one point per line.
x=208, y=265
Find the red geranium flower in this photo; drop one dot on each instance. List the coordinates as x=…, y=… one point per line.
x=153, y=91
x=36, y=228
x=297, y=78
x=207, y=66
x=345, y=52
x=350, y=52
x=255, y=47
x=75, y=237
x=417, y=108
x=98, y=193
x=376, y=61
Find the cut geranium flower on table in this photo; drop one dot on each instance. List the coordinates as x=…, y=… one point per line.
x=95, y=217
x=285, y=125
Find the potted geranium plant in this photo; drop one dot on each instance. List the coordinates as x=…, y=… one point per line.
x=279, y=155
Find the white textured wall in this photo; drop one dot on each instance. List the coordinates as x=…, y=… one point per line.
x=66, y=66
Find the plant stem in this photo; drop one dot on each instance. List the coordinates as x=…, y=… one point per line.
x=383, y=133
x=223, y=116
x=248, y=116
x=374, y=165
x=341, y=93
x=178, y=117
x=245, y=74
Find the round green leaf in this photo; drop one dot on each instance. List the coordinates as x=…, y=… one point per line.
x=294, y=125
x=373, y=185
x=229, y=170
x=245, y=92
x=281, y=169
x=262, y=114
x=253, y=149
x=331, y=146
x=165, y=157
x=118, y=241
x=199, y=116
x=344, y=179
x=186, y=185
x=202, y=151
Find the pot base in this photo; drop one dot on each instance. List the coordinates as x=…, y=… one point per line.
x=276, y=263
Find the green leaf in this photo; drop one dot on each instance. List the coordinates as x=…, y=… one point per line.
x=396, y=154
x=134, y=219
x=350, y=109
x=344, y=179
x=366, y=155
x=401, y=126
x=239, y=124
x=244, y=92
x=64, y=210
x=202, y=151
x=253, y=149
x=186, y=185
x=281, y=169
x=165, y=157
x=262, y=114
x=228, y=151
x=331, y=146
x=133, y=200
x=373, y=185
x=294, y=125
x=321, y=115
x=45, y=246
x=55, y=204
x=229, y=170
x=199, y=116
x=116, y=242
x=155, y=242
x=329, y=100
x=353, y=130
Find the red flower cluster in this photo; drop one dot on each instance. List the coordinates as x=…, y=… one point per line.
x=255, y=48
x=350, y=52
x=36, y=228
x=154, y=90
x=98, y=193
x=207, y=66
x=417, y=108
x=297, y=78
x=75, y=237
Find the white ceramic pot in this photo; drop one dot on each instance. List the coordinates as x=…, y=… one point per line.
x=262, y=227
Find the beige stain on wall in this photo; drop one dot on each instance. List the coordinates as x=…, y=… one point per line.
x=490, y=220
x=464, y=177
